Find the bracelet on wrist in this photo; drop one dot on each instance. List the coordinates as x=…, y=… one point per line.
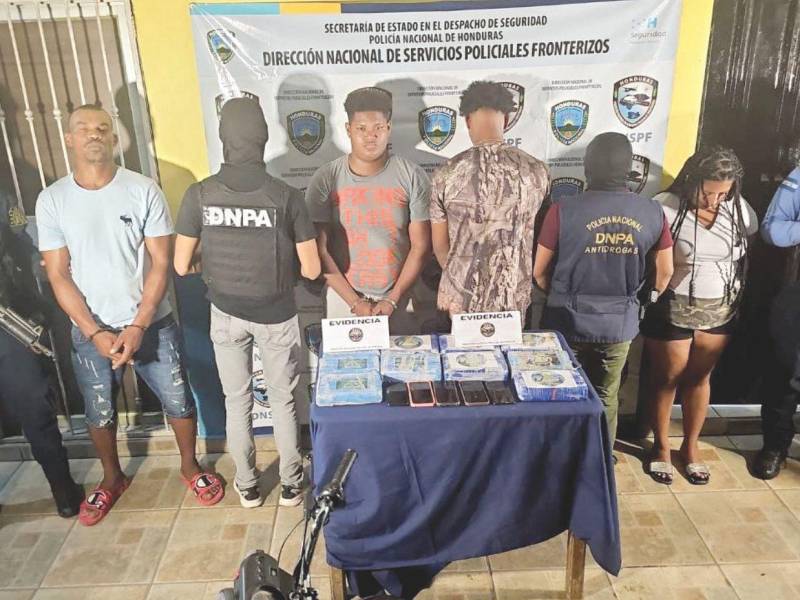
x=99, y=330
x=142, y=327
x=356, y=303
x=391, y=302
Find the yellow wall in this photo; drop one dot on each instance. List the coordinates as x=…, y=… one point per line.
x=165, y=42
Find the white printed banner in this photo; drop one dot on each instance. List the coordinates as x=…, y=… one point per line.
x=576, y=69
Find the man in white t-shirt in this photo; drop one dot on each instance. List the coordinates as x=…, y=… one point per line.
x=105, y=234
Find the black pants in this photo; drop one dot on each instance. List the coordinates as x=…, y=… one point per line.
x=780, y=398
x=25, y=395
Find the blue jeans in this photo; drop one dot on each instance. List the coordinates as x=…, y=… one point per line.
x=157, y=362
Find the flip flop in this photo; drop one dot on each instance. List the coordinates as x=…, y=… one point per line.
x=660, y=472
x=98, y=504
x=698, y=473
x=206, y=487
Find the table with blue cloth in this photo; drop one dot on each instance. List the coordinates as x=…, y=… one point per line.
x=435, y=485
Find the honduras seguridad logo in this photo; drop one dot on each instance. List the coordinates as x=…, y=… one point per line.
x=568, y=120
x=563, y=187
x=437, y=126
x=518, y=92
x=306, y=130
x=221, y=42
x=637, y=178
x=634, y=99
x=221, y=99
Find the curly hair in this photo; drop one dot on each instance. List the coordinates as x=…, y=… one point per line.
x=486, y=94
x=714, y=163
x=368, y=99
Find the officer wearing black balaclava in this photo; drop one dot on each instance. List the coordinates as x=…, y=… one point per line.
x=592, y=258
x=254, y=230
x=24, y=390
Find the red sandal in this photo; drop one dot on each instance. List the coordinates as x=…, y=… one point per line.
x=207, y=488
x=98, y=504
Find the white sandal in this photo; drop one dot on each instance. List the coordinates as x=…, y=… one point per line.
x=660, y=472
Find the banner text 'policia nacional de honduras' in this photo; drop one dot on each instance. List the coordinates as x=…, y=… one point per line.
x=575, y=70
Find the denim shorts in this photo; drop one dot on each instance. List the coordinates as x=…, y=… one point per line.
x=157, y=362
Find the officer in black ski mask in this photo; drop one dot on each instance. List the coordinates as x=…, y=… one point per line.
x=24, y=390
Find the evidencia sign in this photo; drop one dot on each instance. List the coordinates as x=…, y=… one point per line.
x=355, y=333
x=476, y=329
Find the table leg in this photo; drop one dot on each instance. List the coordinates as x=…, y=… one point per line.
x=576, y=562
x=338, y=583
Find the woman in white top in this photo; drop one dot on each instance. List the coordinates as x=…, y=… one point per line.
x=689, y=326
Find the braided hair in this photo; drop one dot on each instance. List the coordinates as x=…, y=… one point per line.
x=715, y=163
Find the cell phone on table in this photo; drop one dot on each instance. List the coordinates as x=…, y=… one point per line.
x=446, y=393
x=499, y=392
x=420, y=394
x=473, y=393
x=397, y=394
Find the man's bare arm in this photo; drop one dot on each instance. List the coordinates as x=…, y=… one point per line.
x=185, y=254
x=542, y=267
x=310, y=266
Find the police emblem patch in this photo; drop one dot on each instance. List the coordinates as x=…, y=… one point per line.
x=518, y=92
x=221, y=42
x=306, y=130
x=221, y=99
x=568, y=120
x=487, y=329
x=639, y=172
x=562, y=187
x=634, y=99
x=437, y=126
x=356, y=334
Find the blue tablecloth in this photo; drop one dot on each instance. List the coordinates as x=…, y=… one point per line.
x=434, y=485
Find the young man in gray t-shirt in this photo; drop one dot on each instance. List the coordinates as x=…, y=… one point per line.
x=371, y=213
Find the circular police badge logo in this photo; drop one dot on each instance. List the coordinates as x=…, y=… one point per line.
x=408, y=342
x=437, y=126
x=260, y=394
x=518, y=92
x=221, y=43
x=487, y=329
x=306, y=130
x=568, y=120
x=355, y=334
x=637, y=178
x=634, y=99
x=562, y=187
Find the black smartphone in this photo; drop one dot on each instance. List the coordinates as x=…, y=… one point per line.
x=421, y=393
x=446, y=393
x=397, y=394
x=499, y=392
x=473, y=393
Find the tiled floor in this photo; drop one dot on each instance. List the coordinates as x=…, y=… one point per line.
x=737, y=538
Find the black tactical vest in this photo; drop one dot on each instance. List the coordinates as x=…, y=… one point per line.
x=603, y=241
x=248, y=246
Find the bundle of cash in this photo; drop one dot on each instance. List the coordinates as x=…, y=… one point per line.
x=428, y=343
x=405, y=365
x=474, y=365
x=350, y=362
x=534, y=360
x=536, y=340
x=347, y=389
x=548, y=385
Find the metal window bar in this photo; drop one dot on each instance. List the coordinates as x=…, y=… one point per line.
x=20, y=12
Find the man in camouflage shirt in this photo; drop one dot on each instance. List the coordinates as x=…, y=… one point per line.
x=484, y=203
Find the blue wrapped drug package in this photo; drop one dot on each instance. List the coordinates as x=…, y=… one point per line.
x=535, y=360
x=474, y=365
x=536, y=340
x=550, y=385
x=350, y=362
x=427, y=343
x=405, y=365
x=348, y=389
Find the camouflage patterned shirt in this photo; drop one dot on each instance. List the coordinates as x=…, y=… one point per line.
x=488, y=196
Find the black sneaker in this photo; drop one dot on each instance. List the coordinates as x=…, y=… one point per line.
x=290, y=496
x=249, y=498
